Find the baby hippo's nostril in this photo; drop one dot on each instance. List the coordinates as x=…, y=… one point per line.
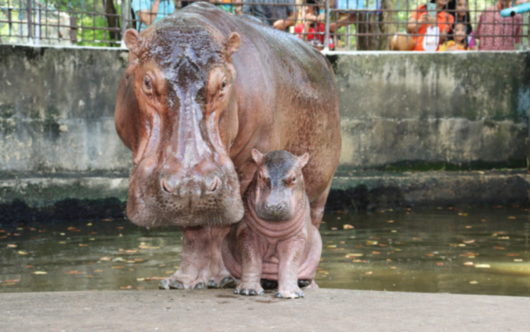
x=213, y=184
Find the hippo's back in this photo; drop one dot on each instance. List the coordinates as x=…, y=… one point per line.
x=287, y=96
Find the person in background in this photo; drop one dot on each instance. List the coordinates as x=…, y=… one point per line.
x=312, y=27
x=428, y=31
x=150, y=11
x=281, y=16
x=459, y=9
x=456, y=39
x=507, y=30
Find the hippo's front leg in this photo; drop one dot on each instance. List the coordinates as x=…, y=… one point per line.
x=202, y=264
x=290, y=257
x=251, y=264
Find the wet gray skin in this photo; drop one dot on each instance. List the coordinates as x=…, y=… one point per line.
x=282, y=178
x=467, y=251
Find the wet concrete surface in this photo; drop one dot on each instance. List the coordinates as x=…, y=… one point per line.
x=221, y=310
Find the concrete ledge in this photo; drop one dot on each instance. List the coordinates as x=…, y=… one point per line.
x=104, y=195
x=221, y=310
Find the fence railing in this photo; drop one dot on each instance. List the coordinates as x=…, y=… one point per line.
x=329, y=24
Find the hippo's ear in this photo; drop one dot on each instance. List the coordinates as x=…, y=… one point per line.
x=257, y=156
x=303, y=160
x=132, y=39
x=232, y=43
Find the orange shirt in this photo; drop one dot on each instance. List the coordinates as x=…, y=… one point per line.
x=445, y=21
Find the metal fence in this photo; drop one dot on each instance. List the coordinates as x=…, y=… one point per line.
x=330, y=24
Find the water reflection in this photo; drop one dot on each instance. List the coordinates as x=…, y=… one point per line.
x=469, y=251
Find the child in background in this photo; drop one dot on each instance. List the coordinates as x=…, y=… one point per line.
x=457, y=39
x=460, y=10
x=311, y=24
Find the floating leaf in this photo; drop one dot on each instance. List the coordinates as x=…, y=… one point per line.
x=12, y=280
x=333, y=228
x=21, y=252
x=429, y=255
x=346, y=226
x=371, y=243
x=98, y=271
x=131, y=251
x=463, y=214
x=474, y=282
x=332, y=246
x=147, y=247
x=126, y=287
x=369, y=272
x=353, y=255
x=469, y=263
x=440, y=264
x=140, y=279
x=83, y=245
x=511, y=217
x=11, y=245
x=75, y=272
x=39, y=272
x=482, y=266
x=376, y=252
x=104, y=259
x=498, y=248
x=389, y=221
x=62, y=242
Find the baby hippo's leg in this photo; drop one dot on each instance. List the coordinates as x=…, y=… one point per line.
x=251, y=265
x=290, y=256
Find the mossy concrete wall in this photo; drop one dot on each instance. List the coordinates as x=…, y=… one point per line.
x=408, y=110
x=57, y=110
x=57, y=106
x=453, y=108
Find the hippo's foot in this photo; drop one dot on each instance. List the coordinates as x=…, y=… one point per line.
x=249, y=288
x=290, y=293
x=273, y=284
x=182, y=281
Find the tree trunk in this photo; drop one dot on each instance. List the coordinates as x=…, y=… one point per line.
x=112, y=19
x=376, y=23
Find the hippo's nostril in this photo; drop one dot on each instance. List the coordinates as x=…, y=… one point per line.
x=165, y=187
x=279, y=207
x=212, y=185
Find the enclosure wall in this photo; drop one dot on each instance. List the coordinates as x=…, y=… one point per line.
x=57, y=107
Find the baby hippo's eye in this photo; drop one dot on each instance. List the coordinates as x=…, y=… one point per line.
x=294, y=179
x=259, y=175
x=223, y=85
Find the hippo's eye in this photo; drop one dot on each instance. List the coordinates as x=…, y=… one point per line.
x=148, y=86
x=259, y=175
x=223, y=85
x=294, y=179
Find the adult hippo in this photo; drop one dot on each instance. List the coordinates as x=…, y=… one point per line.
x=201, y=90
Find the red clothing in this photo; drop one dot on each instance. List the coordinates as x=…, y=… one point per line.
x=320, y=28
x=507, y=31
x=444, y=22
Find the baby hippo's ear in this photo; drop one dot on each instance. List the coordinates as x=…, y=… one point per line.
x=257, y=156
x=303, y=160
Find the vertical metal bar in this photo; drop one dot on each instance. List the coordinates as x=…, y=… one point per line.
x=124, y=12
x=326, y=28
x=30, y=32
x=37, y=26
x=9, y=18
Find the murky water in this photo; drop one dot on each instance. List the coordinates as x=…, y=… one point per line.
x=468, y=251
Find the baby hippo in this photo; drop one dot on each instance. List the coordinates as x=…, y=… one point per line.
x=275, y=240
